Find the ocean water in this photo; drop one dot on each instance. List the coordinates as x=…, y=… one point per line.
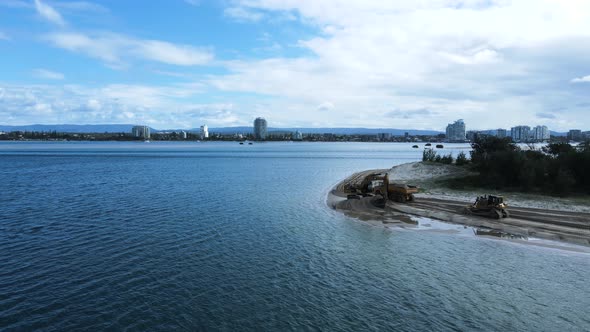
x=221, y=236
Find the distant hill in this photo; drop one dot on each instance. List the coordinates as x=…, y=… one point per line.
x=118, y=128
x=66, y=128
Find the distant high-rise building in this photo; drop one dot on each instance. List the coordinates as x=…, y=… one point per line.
x=141, y=132
x=298, y=136
x=541, y=134
x=456, y=131
x=520, y=133
x=204, y=132
x=182, y=134
x=384, y=137
x=574, y=135
x=260, y=128
x=501, y=133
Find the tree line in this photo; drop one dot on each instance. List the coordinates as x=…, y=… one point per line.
x=557, y=169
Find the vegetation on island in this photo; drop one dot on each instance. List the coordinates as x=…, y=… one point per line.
x=557, y=169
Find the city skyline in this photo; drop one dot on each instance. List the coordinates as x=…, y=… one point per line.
x=178, y=64
x=505, y=131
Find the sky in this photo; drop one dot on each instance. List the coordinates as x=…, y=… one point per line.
x=417, y=64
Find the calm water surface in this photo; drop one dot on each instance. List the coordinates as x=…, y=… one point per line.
x=219, y=236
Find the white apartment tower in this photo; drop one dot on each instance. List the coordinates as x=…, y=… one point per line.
x=260, y=128
x=541, y=134
x=456, y=131
x=204, y=132
x=141, y=132
x=520, y=133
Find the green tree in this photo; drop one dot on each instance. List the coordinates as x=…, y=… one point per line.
x=558, y=148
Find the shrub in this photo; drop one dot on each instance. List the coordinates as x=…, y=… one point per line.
x=462, y=159
x=448, y=159
x=428, y=155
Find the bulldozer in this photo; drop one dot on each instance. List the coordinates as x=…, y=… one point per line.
x=488, y=206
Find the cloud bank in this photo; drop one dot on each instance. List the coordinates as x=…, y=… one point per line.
x=116, y=50
x=414, y=64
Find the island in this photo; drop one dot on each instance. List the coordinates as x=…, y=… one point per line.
x=449, y=186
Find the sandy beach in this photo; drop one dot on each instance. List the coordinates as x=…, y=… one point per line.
x=532, y=216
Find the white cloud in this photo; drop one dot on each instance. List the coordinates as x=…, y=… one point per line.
x=243, y=14
x=169, y=106
x=49, y=13
x=485, y=56
x=105, y=49
x=160, y=51
x=327, y=106
x=585, y=79
x=48, y=74
x=4, y=36
x=79, y=6
x=115, y=49
x=457, y=59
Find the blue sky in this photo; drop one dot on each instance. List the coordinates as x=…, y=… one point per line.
x=312, y=63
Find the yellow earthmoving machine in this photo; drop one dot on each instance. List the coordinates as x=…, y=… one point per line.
x=400, y=192
x=362, y=187
x=489, y=206
x=397, y=192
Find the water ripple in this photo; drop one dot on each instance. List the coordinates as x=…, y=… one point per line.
x=241, y=240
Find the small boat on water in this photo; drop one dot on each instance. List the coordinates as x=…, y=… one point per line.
x=241, y=143
x=250, y=143
x=439, y=146
x=415, y=146
x=428, y=144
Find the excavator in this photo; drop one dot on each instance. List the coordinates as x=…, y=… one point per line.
x=488, y=206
